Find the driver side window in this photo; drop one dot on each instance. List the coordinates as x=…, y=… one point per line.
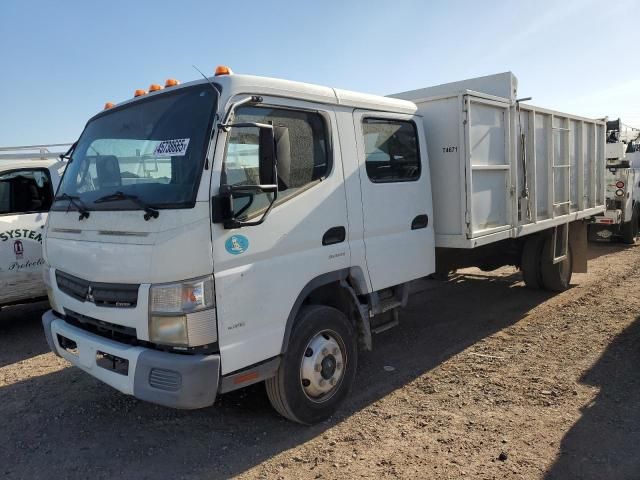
x=309, y=154
x=25, y=191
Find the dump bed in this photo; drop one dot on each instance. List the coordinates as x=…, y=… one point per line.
x=500, y=168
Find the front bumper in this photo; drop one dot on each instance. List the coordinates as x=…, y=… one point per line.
x=169, y=379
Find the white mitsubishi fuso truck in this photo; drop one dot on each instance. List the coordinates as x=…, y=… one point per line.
x=238, y=229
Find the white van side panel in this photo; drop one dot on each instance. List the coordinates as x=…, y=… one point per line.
x=21, y=239
x=21, y=257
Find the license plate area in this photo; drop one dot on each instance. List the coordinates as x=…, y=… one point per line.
x=113, y=363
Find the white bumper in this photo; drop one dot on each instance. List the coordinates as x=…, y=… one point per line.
x=88, y=346
x=169, y=379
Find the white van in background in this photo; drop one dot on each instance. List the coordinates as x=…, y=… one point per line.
x=29, y=178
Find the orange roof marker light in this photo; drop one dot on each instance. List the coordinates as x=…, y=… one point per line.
x=154, y=87
x=139, y=92
x=171, y=82
x=108, y=105
x=223, y=70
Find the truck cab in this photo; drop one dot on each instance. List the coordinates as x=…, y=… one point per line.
x=236, y=229
x=28, y=182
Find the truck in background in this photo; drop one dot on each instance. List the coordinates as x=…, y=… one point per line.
x=241, y=229
x=621, y=220
x=29, y=177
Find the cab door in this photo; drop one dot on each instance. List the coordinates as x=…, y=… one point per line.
x=396, y=197
x=261, y=270
x=25, y=198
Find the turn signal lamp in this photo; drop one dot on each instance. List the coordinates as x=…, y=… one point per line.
x=139, y=92
x=171, y=82
x=154, y=87
x=223, y=70
x=108, y=105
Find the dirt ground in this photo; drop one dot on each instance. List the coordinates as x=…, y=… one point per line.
x=482, y=379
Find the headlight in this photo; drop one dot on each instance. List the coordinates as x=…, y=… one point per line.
x=183, y=297
x=169, y=330
x=181, y=314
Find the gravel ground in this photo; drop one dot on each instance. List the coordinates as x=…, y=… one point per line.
x=487, y=380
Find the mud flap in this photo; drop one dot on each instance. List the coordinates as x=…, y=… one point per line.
x=579, y=246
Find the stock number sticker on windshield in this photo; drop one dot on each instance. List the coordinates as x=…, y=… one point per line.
x=174, y=148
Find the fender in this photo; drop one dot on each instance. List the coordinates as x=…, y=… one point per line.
x=324, y=279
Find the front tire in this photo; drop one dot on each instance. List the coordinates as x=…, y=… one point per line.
x=318, y=368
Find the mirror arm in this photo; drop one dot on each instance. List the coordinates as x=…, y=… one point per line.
x=230, y=189
x=225, y=125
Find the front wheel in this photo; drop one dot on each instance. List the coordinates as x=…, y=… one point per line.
x=318, y=368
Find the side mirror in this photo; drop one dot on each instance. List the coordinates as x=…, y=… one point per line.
x=223, y=204
x=267, y=157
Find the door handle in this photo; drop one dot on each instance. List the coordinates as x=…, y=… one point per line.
x=334, y=235
x=421, y=221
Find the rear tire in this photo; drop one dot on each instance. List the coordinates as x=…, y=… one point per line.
x=318, y=368
x=531, y=260
x=555, y=276
x=630, y=228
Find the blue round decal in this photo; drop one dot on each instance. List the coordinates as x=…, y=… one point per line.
x=236, y=244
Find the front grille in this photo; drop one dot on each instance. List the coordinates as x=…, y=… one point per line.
x=100, y=327
x=114, y=295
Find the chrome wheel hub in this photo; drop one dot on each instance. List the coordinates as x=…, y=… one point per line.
x=322, y=366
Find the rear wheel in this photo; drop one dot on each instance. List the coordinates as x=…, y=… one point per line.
x=630, y=228
x=530, y=262
x=317, y=370
x=555, y=276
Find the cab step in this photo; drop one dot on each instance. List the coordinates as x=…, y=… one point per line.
x=389, y=304
x=383, y=327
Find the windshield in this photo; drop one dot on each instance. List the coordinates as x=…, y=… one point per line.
x=153, y=149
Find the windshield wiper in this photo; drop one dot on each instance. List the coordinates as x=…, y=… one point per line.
x=76, y=202
x=149, y=212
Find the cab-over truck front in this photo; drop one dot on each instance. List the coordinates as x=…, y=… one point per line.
x=242, y=229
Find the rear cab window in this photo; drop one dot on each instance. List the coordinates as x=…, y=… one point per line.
x=392, y=153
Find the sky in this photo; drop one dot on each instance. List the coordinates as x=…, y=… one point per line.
x=61, y=61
